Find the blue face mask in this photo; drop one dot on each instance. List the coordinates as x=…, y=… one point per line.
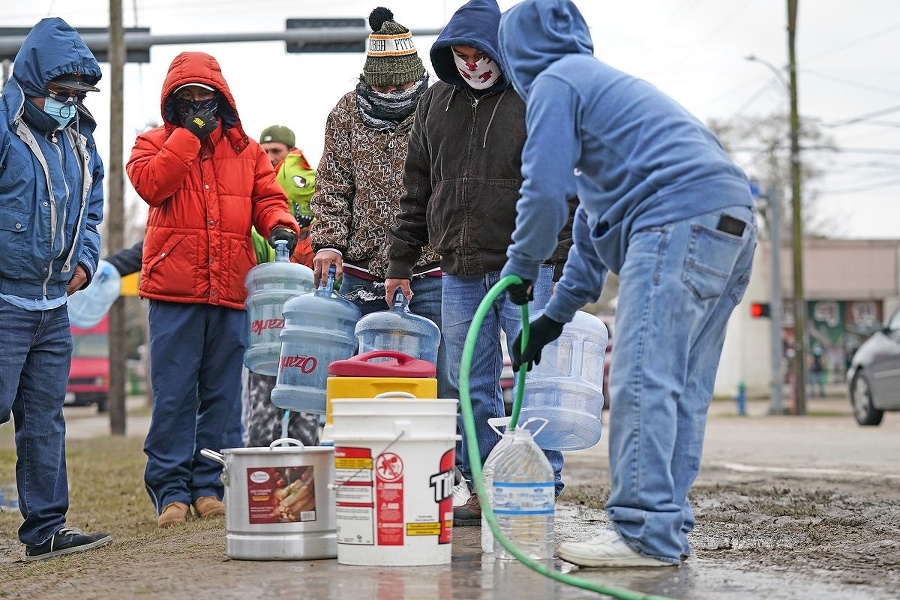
x=61, y=111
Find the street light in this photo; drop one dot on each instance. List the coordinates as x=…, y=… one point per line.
x=799, y=299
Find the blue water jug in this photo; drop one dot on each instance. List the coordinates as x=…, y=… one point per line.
x=269, y=286
x=399, y=330
x=318, y=330
x=87, y=306
x=566, y=388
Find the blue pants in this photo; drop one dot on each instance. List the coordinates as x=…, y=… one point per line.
x=196, y=353
x=664, y=368
x=461, y=298
x=34, y=371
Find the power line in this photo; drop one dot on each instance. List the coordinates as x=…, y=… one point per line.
x=889, y=183
x=855, y=84
x=859, y=40
x=863, y=117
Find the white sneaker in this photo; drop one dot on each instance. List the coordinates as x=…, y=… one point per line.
x=461, y=491
x=606, y=550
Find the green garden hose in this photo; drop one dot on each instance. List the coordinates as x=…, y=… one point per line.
x=475, y=456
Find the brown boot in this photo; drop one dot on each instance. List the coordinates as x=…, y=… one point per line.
x=174, y=514
x=209, y=506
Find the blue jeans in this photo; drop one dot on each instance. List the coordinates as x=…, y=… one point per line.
x=34, y=372
x=368, y=296
x=677, y=289
x=461, y=298
x=196, y=354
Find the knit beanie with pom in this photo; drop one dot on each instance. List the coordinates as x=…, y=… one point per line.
x=391, y=57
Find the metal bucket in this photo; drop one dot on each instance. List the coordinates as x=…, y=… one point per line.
x=278, y=502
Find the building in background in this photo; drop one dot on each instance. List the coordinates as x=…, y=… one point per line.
x=851, y=286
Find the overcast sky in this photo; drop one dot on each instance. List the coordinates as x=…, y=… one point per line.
x=848, y=58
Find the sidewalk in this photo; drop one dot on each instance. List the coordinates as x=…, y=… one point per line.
x=835, y=402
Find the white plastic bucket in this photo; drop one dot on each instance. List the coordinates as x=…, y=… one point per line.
x=394, y=460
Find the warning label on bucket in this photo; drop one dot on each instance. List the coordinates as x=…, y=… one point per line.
x=369, y=497
x=354, y=498
x=389, y=499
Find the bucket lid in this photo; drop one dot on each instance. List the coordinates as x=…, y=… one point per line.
x=397, y=364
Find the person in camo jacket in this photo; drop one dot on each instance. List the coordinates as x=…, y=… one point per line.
x=360, y=179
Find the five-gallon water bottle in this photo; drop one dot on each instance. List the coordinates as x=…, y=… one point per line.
x=487, y=475
x=400, y=330
x=87, y=306
x=566, y=388
x=318, y=330
x=524, y=495
x=269, y=286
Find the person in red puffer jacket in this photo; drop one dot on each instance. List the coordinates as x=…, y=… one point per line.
x=206, y=183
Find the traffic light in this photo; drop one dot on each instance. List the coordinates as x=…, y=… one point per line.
x=759, y=310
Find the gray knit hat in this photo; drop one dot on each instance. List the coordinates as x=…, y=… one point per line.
x=391, y=58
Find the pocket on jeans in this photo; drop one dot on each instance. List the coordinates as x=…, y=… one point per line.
x=710, y=261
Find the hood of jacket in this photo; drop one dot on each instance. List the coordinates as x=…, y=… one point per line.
x=52, y=48
x=536, y=33
x=199, y=67
x=474, y=24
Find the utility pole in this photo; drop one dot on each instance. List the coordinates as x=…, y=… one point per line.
x=115, y=215
x=776, y=406
x=799, y=297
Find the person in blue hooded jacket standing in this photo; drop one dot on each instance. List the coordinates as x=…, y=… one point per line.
x=51, y=191
x=663, y=206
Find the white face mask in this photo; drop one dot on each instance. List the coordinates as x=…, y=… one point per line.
x=481, y=74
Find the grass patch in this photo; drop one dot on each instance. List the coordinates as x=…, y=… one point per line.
x=106, y=493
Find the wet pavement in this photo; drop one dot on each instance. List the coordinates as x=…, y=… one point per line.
x=733, y=442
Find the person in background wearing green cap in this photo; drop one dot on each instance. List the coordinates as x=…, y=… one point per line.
x=263, y=420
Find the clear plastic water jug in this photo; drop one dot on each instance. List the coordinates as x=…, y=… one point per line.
x=87, y=306
x=269, y=286
x=400, y=330
x=566, y=388
x=318, y=330
x=523, y=499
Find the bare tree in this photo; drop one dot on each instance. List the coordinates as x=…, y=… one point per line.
x=761, y=146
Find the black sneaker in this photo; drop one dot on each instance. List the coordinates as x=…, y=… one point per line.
x=66, y=541
x=469, y=514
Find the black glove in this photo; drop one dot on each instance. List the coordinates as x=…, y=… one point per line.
x=543, y=331
x=521, y=293
x=284, y=234
x=201, y=123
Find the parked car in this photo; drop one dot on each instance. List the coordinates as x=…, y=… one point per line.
x=89, y=373
x=874, y=374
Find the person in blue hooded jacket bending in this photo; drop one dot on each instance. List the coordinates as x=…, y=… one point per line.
x=663, y=206
x=51, y=191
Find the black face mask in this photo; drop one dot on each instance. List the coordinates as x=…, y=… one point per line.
x=185, y=107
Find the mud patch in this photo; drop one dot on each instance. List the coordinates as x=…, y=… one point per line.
x=847, y=528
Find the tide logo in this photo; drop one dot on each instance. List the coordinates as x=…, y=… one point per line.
x=442, y=485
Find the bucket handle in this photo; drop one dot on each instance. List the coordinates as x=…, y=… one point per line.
x=396, y=395
x=400, y=357
x=497, y=422
x=214, y=456
x=287, y=441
